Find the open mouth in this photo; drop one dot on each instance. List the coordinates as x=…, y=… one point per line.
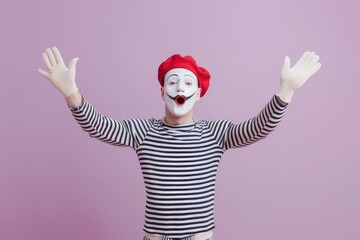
x=180, y=100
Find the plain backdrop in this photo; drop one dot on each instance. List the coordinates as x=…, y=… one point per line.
x=301, y=183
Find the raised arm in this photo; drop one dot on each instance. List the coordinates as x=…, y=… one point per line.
x=62, y=77
x=116, y=132
x=292, y=78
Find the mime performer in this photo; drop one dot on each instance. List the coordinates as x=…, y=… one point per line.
x=179, y=155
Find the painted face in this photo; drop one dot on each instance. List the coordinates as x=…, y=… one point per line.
x=181, y=91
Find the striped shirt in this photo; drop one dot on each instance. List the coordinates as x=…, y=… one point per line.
x=179, y=162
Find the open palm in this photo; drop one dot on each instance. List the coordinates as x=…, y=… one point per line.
x=62, y=77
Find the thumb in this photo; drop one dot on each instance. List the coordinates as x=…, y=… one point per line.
x=73, y=62
x=43, y=73
x=286, y=63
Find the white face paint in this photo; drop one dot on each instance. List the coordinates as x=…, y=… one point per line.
x=181, y=91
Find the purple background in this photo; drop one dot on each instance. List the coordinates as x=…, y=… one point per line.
x=302, y=182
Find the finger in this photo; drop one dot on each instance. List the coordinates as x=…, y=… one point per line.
x=73, y=62
x=309, y=60
x=44, y=73
x=303, y=58
x=51, y=56
x=47, y=61
x=287, y=63
x=314, y=69
x=313, y=62
x=57, y=55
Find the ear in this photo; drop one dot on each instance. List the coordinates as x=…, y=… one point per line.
x=198, y=94
x=162, y=93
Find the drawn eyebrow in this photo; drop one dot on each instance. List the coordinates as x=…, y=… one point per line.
x=176, y=75
x=187, y=75
x=173, y=75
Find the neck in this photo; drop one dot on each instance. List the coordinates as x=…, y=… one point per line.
x=175, y=120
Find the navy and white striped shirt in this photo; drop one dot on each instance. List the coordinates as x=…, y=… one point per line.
x=179, y=162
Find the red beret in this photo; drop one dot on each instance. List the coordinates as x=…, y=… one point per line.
x=187, y=62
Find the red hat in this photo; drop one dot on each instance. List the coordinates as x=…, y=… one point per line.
x=187, y=62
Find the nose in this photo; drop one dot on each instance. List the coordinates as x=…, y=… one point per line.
x=180, y=86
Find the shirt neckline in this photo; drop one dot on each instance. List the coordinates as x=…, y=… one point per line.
x=179, y=126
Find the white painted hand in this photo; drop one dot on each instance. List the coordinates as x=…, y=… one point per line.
x=62, y=77
x=293, y=78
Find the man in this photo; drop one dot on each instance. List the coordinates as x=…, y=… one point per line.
x=179, y=155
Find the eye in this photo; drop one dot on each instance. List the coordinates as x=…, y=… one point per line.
x=188, y=83
x=172, y=80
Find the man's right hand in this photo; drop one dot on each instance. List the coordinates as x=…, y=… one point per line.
x=62, y=77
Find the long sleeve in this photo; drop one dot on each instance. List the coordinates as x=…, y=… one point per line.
x=235, y=135
x=121, y=133
x=254, y=129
